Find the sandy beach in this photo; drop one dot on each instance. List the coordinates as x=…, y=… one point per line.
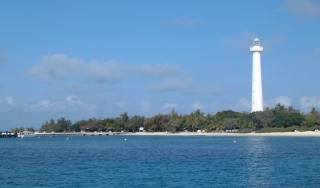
x=306, y=133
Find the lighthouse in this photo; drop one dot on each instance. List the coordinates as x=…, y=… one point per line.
x=257, y=95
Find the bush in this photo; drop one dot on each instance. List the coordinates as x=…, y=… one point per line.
x=244, y=131
x=288, y=129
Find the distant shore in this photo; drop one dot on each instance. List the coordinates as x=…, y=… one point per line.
x=306, y=133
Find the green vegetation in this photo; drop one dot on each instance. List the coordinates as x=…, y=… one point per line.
x=21, y=129
x=278, y=119
x=287, y=129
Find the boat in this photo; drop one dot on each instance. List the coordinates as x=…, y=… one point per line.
x=26, y=134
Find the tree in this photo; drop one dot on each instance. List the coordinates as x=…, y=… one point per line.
x=279, y=107
x=245, y=121
x=231, y=123
x=156, y=123
x=111, y=124
x=312, y=118
x=224, y=120
x=290, y=109
x=195, y=120
x=123, y=121
x=313, y=111
x=136, y=122
x=97, y=125
x=263, y=118
x=17, y=129
x=63, y=125
x=286, y=117
x=174, y=121
x=31, y=129
x=48, y=126
x=227, y=114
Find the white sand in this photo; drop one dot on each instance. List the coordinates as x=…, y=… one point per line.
x=307, y=133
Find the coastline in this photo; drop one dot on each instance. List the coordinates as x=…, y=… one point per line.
x=291, y=134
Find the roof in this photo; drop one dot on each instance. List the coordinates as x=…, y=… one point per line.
x=85, y=127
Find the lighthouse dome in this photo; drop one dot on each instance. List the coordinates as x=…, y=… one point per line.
x=256, y=42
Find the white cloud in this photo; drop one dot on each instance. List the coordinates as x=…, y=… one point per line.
x=303, y=9
x=243, y=102
x=145, y=106
x=68, y=104
x=171, y=84
x=75, y=71
x=309, y=102
x=33, y=114
x=10, y=100
x=105, y=72
x=184, y=84
x=182, y=22
x=121, y=104
x=73, y=100
x=60, y=66
x=284, y=100
x=56, y=66
x=157, y=70
x=197, y=105
x=169, y=106
x=208, y=90
x=44, y=103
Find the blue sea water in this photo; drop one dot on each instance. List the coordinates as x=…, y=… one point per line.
x=168, y=161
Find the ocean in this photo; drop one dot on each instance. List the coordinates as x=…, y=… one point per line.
x=160, y=161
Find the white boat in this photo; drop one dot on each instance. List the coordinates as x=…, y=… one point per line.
x=26, y=134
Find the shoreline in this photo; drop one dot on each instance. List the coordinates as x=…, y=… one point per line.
x=291, y=134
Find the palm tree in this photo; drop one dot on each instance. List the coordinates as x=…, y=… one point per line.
x=191, y=121
x=313, y=111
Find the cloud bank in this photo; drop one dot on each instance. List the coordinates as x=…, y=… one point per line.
x=284, y=100
x=303, y=9
x=60, y=67
x=309, y=102
x=10, y=100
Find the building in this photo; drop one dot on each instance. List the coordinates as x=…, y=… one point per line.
x=257, y=95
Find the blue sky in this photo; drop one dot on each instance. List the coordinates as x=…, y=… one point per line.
x=84, y=59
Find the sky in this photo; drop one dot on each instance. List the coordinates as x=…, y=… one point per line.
x=98, y=59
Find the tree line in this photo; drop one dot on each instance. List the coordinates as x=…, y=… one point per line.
x=278, y=118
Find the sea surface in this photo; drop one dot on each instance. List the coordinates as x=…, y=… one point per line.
x=160, y=161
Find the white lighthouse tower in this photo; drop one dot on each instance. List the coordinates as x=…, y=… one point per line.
x=257, y=96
